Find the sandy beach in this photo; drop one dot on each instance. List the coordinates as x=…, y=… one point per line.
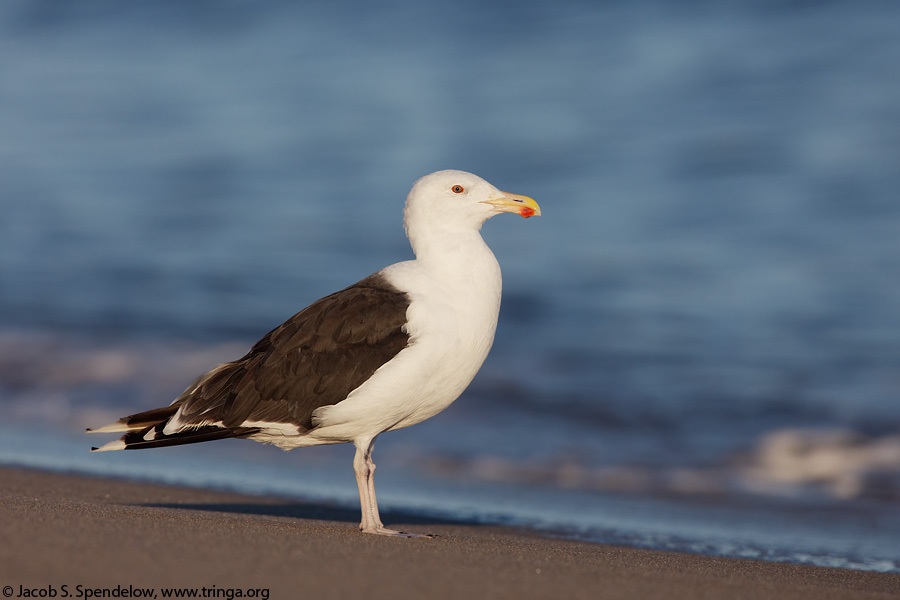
x=73, y=536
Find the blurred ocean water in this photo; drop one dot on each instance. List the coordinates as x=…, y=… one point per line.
x=707, y=312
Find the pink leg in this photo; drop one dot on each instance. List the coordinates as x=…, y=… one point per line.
x=365, y=480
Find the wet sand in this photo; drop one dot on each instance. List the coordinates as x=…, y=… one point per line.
x=112, y=537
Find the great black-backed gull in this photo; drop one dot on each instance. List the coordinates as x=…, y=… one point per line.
x=388, y=352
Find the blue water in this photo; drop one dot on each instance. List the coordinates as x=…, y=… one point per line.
x=705, y=316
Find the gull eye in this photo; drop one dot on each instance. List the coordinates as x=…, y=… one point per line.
x=458, y=189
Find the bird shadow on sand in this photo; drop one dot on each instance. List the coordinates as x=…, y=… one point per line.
x=310, y=511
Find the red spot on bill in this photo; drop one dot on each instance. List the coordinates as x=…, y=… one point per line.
x=526, y=212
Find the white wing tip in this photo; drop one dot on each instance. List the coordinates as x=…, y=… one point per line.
x=116, y=427
x=115, y=445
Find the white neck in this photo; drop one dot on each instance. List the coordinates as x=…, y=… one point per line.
x=452, y=254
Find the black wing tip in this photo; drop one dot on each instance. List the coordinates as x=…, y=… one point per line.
x=137, y=441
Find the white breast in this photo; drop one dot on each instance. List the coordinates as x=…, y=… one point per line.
x=451, y=322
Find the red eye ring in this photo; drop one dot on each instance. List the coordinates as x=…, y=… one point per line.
x=458, y=189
